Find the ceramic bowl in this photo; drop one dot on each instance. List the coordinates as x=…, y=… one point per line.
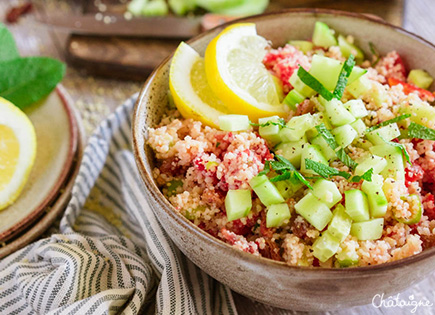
x=267, y=281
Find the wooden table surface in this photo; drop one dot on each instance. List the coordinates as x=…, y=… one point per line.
x=95, y=98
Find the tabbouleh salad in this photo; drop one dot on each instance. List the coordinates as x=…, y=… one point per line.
x=345, y=177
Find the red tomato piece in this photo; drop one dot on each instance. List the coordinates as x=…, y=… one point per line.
x=410, y=88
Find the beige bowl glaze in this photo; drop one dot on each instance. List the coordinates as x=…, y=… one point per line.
x=267, y=281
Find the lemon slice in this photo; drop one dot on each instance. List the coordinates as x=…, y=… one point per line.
x=235, y=72
x=17, y=151
x=190, y=90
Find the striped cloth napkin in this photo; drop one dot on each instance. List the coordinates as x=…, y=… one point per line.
x=111, y=255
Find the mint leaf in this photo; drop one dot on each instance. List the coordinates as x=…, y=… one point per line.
x=25, y=81
x=286, y=170
x=344, y=76
x=8, y=49
x=324, y=170
x=346, y=159
x=313, y=83
x=388, y=122
x=367, y=176
x=420, y=132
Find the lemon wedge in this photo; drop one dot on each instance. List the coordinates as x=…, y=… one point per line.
x=17, y=151
x=236, y=73
x=190, y=90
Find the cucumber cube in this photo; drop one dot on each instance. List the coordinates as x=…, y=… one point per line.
x=359, y=87
x=234, y=122
x=347, y=257
x=357, y=206
x=421, y=113
x=318, y=118
x=340, y=224
x=378, y=203
x=314, y=211
x=326, y=150
x=379, y=94
x=420, y=78
x=292, y=151
x=323, y=36
x=347, y=49
x=360, y=127
x=375, y=162
x=293, y=99
x=395, y=163
x=337, y=114
x=327, y=192
x=300, y=86
x=265, y=190
x=325, y=247
x=155, y=8
x=270, y=132
x=356, y=108
x=287, y=188
x=277, y=215
x=386, y=133
x=368, y=230
x=363, y=143
x=238, y=203
x=181, y=7
x=344, y=135
x=302, y=45
x=297, y=126
x=312, y=152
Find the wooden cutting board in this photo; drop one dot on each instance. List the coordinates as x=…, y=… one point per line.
x=135, y=58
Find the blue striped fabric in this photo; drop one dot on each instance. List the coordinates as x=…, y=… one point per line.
x=111, y=255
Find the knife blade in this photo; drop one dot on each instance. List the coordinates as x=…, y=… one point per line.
x=117, y=25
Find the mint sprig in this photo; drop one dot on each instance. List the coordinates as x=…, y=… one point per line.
x=327, y=171
x=313, y=83
x=388, y=122
x=417, y=131
x=343, y=77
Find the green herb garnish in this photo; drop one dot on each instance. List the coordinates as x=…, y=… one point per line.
x=285, y=170
x=330, y=140
x=388, y=122
x=418, y=131
x=24, y=81
x=344, y=76
x=324, y=170
x=313, y=83
x=367, y=176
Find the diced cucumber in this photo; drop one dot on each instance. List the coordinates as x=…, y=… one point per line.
x=312, y=152
x=360, y=86
x=327, y=192
x=181, y=7
x=318, y=118
x=347, y=257
x=421, y=113
x=297, y=126
x=234, y=122
x=327, y=70
x=340, y=223
x=277, y=215
x=292, y=151
x=155, y=8
x=356, y=108
x=326, y=150
x=293, y=99
x=325, y=247
x=420, y=78
x=344, y=135
x=360, y=127
x=271, y=132
x=323, y=36
x=357, y=206
x=377, y=163
x=383, y=134
x=337, y=114
x=378, y=203
x=379, y=94
x=395, y=163
x=302, y=45
x=135, y=6
x=265, y=190
x=347, y=49
x=368, y=230
x=300, y=86
x=238, y=203
x=314, y=211
x=287, y=188
x=363, y=143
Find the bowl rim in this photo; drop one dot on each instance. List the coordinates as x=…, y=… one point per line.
x=213, y=241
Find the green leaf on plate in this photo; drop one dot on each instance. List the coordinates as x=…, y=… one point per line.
x=25, y=81
x=8, y=49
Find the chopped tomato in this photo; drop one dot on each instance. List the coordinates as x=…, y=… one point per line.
x=429, y=206
x=400, y=64
x=413, y=173
x=410, y=88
